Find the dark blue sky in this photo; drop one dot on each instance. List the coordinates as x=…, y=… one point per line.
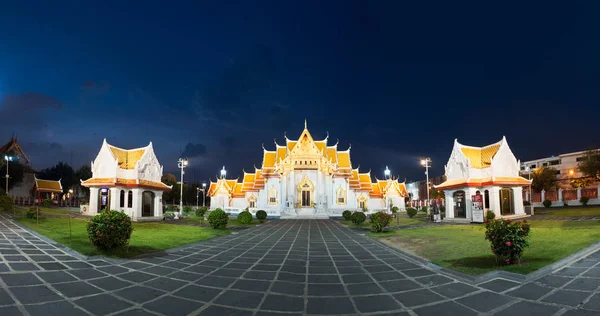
x=397, y=80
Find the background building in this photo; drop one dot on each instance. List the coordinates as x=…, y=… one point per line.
x=565, y=164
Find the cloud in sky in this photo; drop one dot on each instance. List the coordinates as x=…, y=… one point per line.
x=193, y=150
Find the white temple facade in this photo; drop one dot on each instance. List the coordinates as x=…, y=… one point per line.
x=128, y=181
x=491, y=171
x=306, y=178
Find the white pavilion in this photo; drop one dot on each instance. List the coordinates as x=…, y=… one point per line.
x=127, y=180
x=491, y=171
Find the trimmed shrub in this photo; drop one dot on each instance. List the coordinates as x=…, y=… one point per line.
x=395, y=210
x=547, y=203
x=489, y=215
x=411, y=212
x=442, y=209
x=201, y=211
x=508, y=239
x=526, y=203
x=584, y=200
x=358, y=218
x=6, y=202
x=424, y=209
x=47, y=203
x=379, y=221
x=347, y=215
x=109, y=229
x=187, y=209
x=32, y=213
x=261, y=215
x=218, y=219
x=244, y=217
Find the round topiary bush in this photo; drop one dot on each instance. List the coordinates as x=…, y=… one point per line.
x=424, y=209
x=201, y=211
x=395, y=209
x=347, y=215
x=489, y=215
x=508, y=239
x=411, y=212
x=358, y=218
x=187, y=209
x=379, y=221
x=244, y=217
x=109, y=229
x=261, y=215
x=442, y=209
x=584, y=200
x=547, y=203
x=218, y=219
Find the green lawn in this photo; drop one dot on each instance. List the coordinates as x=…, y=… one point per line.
x=463, y=247
x=146, y=238
x=568, y=211
x=402, y=220
x=233, y=222
x=48, y=210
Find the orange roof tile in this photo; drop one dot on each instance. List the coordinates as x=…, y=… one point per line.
x=281, y=153
x=269, y=159
x=332, y=154
x=48, y=185
x=343, y=159
x=291, y=144
x=480, y=158
x=125, y=182
x=512, y=181
x=321, y=146
x=211, y=188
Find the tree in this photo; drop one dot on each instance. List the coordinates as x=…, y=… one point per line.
x=61, y=171
x=580, y=183
x=544, y=178
x=16, y=172
x=590, y=164
x=169, y=179
x=84, y=173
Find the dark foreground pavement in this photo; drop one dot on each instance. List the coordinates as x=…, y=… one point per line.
x=281, y=268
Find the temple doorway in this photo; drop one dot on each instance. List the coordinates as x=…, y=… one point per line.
x=305, y=195
x=147, y=203
x=103, y=199
x=460, y=209
x=506, y=201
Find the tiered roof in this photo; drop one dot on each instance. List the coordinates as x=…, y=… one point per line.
x=48, y=185
x=273, y=159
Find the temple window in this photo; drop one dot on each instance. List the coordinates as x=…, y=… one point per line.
x=361, y=204
x=129, y=199
x=273, y=196
x=341, y=196
x=252, y=204
x=122, y=199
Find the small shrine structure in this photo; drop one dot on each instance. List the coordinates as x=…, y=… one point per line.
x=491, y=171
x=127, y=180
x=47, y=189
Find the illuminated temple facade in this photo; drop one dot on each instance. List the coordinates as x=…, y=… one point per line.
x=306, y=177
x=127, y=180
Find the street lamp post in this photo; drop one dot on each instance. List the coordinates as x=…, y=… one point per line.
x=203, y=194
x=528, y=169
x=181, y=164
x=426, y=162
x=7, y=158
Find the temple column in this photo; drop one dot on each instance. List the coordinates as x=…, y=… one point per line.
x=494, y=193
x=449, y=203
x=518, y=200
x=282, y=191
x=93, y=206
x=292, y=192
x=115, y=198
x=318, y=190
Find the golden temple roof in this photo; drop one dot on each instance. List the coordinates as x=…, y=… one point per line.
x=475, y=182
x=111, y=182
x=332, y=154
x=281, y=153
x=343, y=158
x=127, y=159
x=480, y=158
x=269, y=159
x=48, y=185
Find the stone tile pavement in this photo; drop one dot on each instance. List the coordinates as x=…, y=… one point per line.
x=292, y=267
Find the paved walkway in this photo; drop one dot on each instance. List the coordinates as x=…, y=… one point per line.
x=280, y=268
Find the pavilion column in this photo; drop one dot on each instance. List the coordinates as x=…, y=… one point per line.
x=93, y=206
x=115, y=198
x=449, y=203
x=494, y=193
x=518, y=200
x=158, y=203
x=137, y=203
x=469, y=202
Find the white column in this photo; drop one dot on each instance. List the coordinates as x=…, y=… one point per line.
x=449, y=203
x=93, y=207
x=469, y=202
x=560, y=196
x=494, y=193
x=157, y=203
x=543, y=195
x=137, y=203
x=292, y=192
x=518, y=200
x=578, y=193
x=115, y=196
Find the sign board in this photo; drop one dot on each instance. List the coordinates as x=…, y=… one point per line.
x=477, y=208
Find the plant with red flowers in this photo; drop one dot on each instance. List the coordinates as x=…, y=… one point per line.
x=379, y=221
x=109, y=229
x=508, y=239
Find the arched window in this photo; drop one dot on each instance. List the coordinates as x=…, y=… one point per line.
x=273, y=196
x=252, y=202
x=130, y=199
x=122, y=198
x=340, y=196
